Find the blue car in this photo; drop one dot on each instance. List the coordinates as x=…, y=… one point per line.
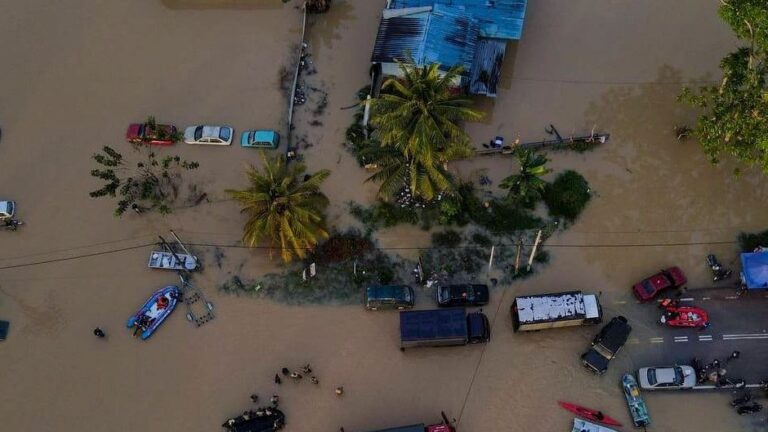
x=267, y=139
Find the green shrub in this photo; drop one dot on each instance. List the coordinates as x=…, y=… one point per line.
x=446, y=239
x=383, y=215
x=750, y=241
x=567, y=196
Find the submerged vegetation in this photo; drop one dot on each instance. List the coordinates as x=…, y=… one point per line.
x=152, y=183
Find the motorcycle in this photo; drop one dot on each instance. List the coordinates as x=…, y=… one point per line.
x=718, y=271
x=741, y=400
x=749, y=409
x=13, y=224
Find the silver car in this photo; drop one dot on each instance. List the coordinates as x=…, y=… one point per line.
x=666, y=378
x=211, y=135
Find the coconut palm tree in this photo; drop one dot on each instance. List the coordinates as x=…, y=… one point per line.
x=396, y=171
x=419, y=115
x=284, y=206
x=527, y=187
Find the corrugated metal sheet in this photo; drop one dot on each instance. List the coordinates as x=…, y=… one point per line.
x=439, y=36
x=502, y=19
x=486, y=66
x=450, y=40
x=400, y=38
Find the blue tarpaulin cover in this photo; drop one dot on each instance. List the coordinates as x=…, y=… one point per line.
x=754, y=269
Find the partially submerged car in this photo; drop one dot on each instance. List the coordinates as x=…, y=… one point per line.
x=650, y=287
x=667, y=378
x=462, y=295
x=265, y=139
x=211, y=135
x=606, y=345
x=388, y=297
x=7, y=210
x=163, y=135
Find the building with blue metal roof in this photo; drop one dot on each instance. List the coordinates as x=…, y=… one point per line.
x=469, y=33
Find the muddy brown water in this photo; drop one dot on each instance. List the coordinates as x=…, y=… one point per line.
x=76, y=73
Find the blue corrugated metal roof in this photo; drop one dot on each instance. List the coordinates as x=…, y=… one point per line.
x=440, y=36
x=400, y=38
x=501, y=19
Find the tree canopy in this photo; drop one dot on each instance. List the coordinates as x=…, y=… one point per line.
x=284, y=206
x=735, y=111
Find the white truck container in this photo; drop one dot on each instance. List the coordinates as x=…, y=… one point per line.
x=545, y=311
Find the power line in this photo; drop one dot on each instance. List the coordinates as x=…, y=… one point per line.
x=230, y=246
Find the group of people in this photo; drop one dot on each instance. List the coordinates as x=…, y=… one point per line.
x=297, y=375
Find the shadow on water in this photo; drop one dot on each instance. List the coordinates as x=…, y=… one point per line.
x=324, y=29
x=224, y=4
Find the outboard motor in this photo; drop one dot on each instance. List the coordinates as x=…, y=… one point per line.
x=718, y=271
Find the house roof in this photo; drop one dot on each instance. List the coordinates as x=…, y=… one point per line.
x=441, y=36
x=502, y=19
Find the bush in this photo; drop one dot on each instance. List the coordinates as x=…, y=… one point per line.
x=567, y=196
x=341, y=247
x=750, y=241
x=383, y=215
x=446, y=239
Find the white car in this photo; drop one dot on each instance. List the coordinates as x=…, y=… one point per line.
x=666, y=378
x=211, y=135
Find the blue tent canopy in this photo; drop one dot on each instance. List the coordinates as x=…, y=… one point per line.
x=754, y=269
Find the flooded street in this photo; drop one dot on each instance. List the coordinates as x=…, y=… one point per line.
x=77, y=73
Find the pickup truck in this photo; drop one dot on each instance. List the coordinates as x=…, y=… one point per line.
x=7, y=210
x=606, y=345
x=442, y=327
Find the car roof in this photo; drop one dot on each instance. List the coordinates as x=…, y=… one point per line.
x=665, y=374
x=386, y=290
x=211, y=131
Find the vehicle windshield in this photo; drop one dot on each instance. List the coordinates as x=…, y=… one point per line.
x=198, y=133
x=652, y=377
x=648, y=287
x=679, y=379
x=224, y=133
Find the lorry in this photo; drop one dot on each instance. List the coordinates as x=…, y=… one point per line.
x=545, y=311
x=606, y=345
x=442, y=327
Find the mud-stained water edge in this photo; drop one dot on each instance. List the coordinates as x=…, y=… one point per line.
x=76, y=73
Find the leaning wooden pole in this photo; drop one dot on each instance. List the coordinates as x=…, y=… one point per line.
x=517, y=255
x=533, y=252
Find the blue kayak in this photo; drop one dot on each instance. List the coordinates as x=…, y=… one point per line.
x=154, y=311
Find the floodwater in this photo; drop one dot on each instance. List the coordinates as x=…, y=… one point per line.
x=76, y=73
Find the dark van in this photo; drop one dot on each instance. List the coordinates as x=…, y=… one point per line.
x=388, y=297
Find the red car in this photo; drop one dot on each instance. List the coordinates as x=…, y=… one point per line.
x=163, y=135
x=649, y=288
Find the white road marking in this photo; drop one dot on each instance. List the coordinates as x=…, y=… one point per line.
x=687, y=299
x=657, y=340
x=709, y=298
x=745, y=337
x=681, y=338
x=703, y=338
x=745, y=334
x=634, y=341
x=620, y=302
x=731, y=297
